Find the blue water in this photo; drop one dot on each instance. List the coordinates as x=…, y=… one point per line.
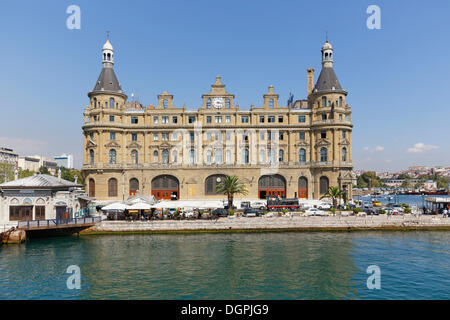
x=417, y=200
x=316, y=265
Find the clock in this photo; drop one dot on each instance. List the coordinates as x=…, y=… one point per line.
x=218, y=102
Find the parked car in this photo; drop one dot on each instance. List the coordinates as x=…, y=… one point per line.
x=324, y=206
x=252, y=212
x=258, y=205
x=187, y=214
x=219, y=213
x=315, y=212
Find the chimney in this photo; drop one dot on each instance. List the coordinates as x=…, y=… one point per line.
x=310, y=81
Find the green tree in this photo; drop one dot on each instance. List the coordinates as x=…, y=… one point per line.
x=6, y=172
x=25, y=173
x=43, y=170
x=368, y=179
x=335, y=193
x=230, y=186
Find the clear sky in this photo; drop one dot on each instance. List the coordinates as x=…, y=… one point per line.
x=398, y=78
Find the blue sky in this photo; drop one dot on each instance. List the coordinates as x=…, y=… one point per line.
x=398, y=78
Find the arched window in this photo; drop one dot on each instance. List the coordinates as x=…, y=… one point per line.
x=112, y=156
x=91, y=188
x=165, y=104
x=344, y=154
x=112, y=187
x=208, y=157
x=95, y=102
x=192, y=156
x=165, y=156
x=111, y=102
x=218, y=156
x=155, y=156
x=208, y=103
x=323, y=154
x=302, y=155
x=134, y=186
x=174, y=156
x=91, y=156
x=340, y=101
x=245, y=156
x=212, y=182
x=324, y=185
x=271, y=103
x=228, y=156
x=109, y=56
x=324, y=101
x=227, y=103
x=281, y=155
x=134, y=157
x=104, y=56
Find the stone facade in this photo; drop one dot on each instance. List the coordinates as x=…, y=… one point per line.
x=172, y=152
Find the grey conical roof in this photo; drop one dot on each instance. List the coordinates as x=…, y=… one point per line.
x=327, y=80
x=107, y=81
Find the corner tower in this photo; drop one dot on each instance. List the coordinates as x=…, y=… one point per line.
x=107, y=92
x=331, y=129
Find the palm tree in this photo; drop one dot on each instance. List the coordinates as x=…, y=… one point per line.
x=334, y=193
x=230, y=186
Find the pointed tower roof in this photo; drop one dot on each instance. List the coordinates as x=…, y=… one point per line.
x=327, y=80
x=107, y=80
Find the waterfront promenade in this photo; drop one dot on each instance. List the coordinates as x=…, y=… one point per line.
x=284, y=223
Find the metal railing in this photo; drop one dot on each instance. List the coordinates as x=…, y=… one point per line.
x=57, y=222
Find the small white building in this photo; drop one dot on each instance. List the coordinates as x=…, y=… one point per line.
x=64, y=160
x=41, y=197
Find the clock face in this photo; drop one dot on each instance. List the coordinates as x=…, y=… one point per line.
x=218, y=102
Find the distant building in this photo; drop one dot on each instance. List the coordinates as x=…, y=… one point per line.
x=8, y=156
x=41, y=197
x=64, y=160
x=33, y=163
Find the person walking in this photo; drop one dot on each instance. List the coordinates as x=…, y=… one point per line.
x=445, y=213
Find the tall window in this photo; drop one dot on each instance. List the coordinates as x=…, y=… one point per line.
x=262, y=156
x=271, y=156
x=165, y=156
x=227, y=103
x=112, y=187
x=245, y=156
x=228, y=156
x=174, y=156
x=324, y=185
x=281, y=155
x=112, y=156
x=323, y=154
x=302, y=135
x=192, y=156
x=111, y=103
x=112, y=136
x=134, y=157
x=95, y=102
x=324, y=101
x=344, y=154
x=302, y=155
x=208, y=103
x=91, y=156
x=208, y=157
x=244, y=119
x=155, y=156
x=92, y=188
x=340, y=101
x=134, y=137
x=218, y=156
x=165, y=104
x=271, y=103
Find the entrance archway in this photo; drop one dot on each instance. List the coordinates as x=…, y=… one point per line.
x=166, y=187
x=302, y=188
x=134, y=186
x=272, y=185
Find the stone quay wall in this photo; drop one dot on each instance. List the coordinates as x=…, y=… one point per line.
x=285, y=223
